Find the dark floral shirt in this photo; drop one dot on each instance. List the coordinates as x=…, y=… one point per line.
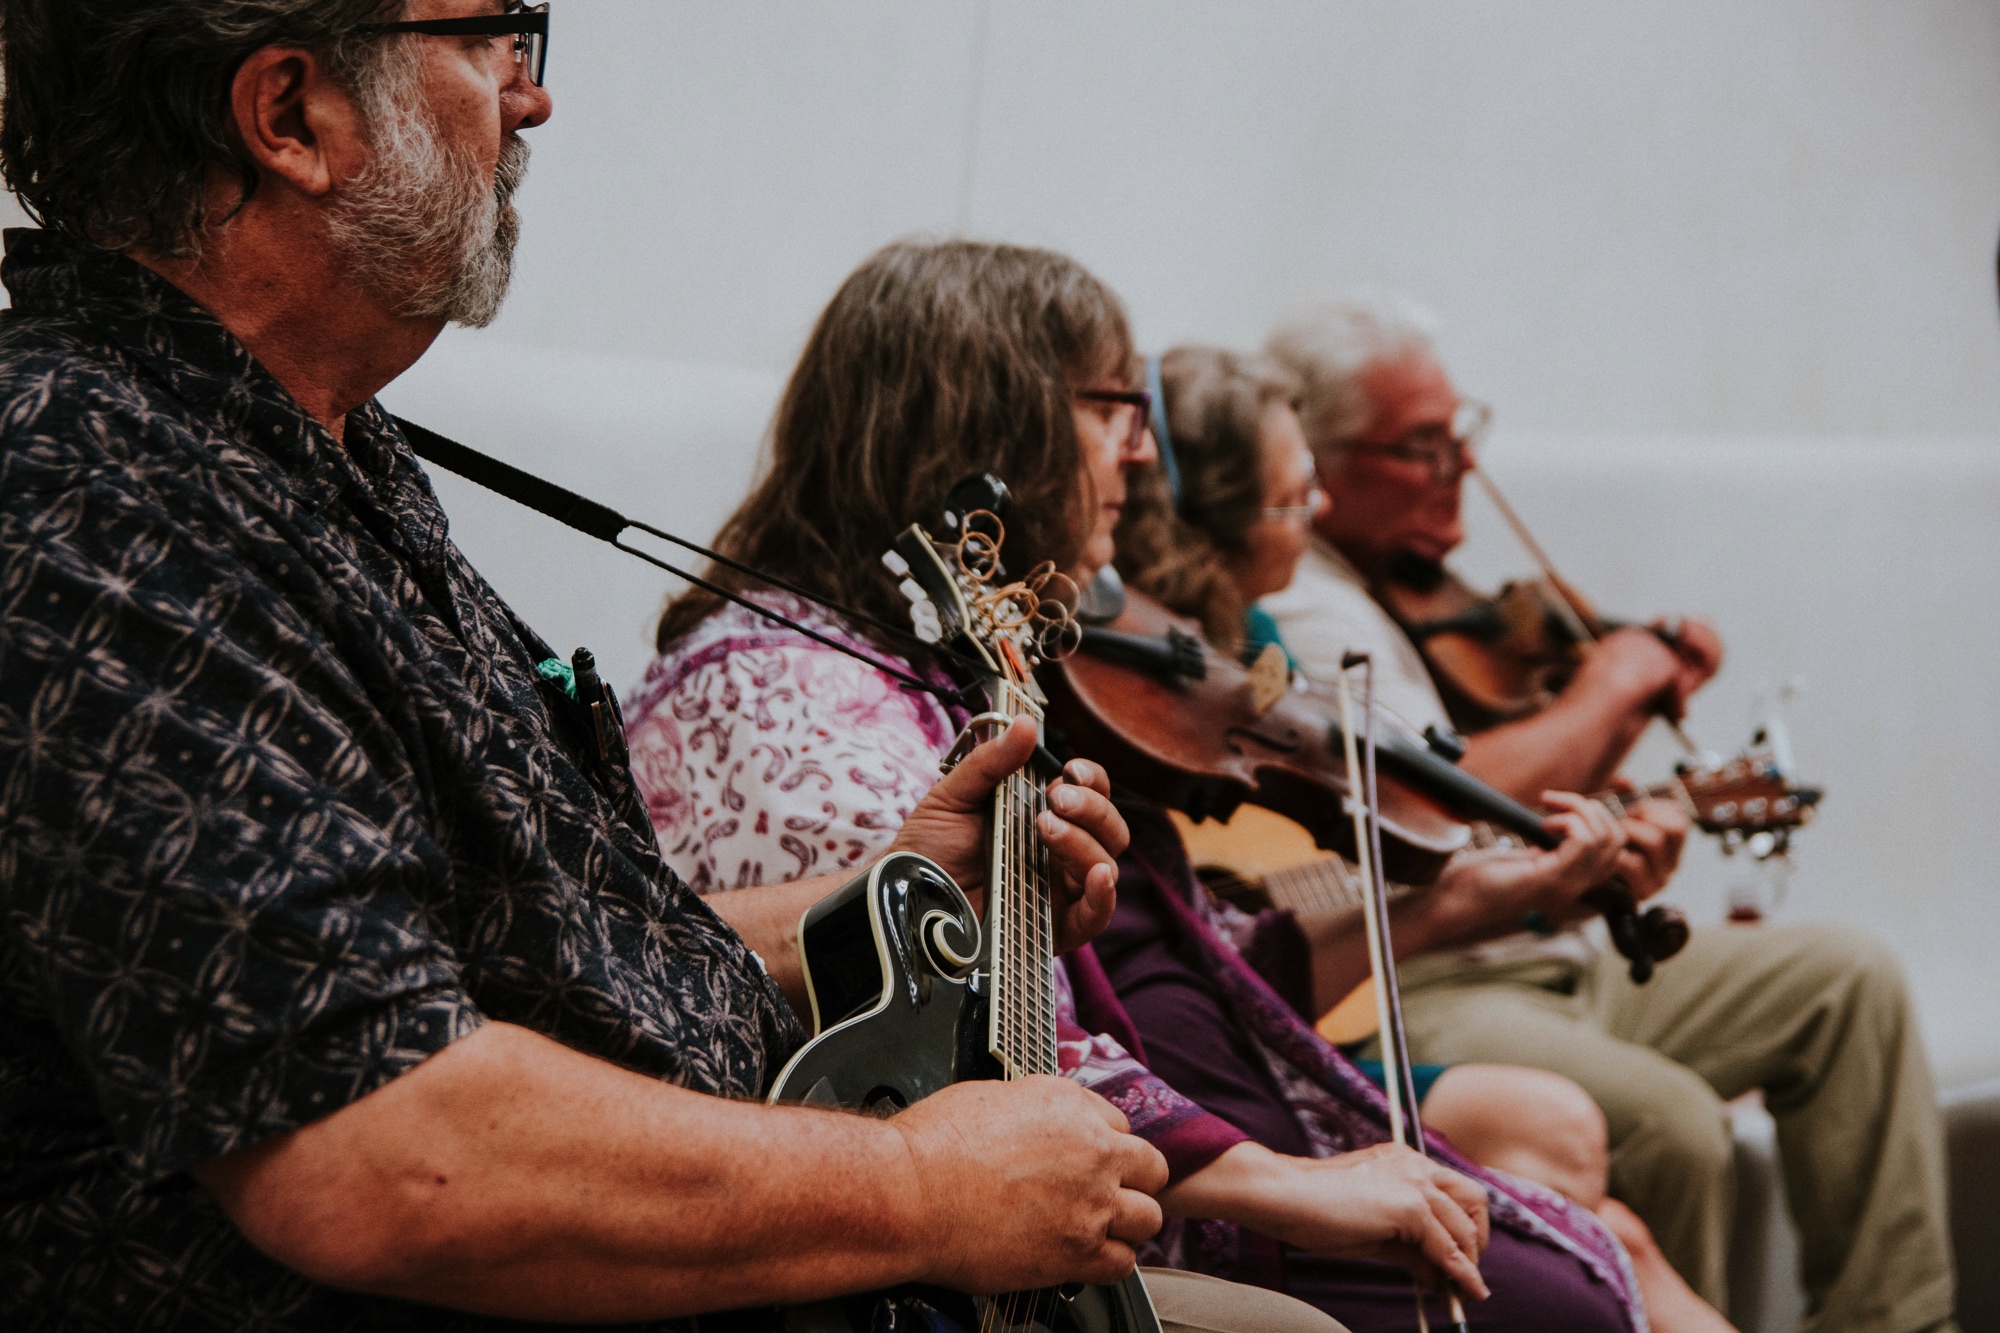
x=284, y=810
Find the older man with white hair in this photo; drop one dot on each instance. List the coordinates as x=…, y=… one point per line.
x=1816, y=1017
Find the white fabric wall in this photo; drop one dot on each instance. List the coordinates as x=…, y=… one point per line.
x=1703, y=216
x=1725, y=270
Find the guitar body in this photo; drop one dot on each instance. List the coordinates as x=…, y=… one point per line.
x=899, y=1011
x=1244, y=859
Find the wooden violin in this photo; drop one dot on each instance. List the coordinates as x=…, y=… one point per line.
x=1192, y=729
x=1505, y=656
x=1187, y=727
x=1495, y=657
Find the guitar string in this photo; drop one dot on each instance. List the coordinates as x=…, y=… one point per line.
x=1009, y=894
x=1031, y=929
x=1023, y=962
x=1017, y=1037
x=1045, y=922
x=996, y=1315
x=1017, y=834
x=1004, y=893
x=1000, y=1309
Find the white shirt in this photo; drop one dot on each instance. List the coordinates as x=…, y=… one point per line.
x=1328, y=612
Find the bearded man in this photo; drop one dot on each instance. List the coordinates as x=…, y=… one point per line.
x=1817, y=1018
x=340, y=978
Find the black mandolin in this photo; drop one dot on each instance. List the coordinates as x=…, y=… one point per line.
x=910, y=991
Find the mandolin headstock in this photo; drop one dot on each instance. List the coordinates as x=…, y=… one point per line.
x=960, y=595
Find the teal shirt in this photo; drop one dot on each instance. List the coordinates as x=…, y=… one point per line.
x=1260, y=631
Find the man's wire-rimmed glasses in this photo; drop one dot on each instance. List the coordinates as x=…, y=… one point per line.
x=528, y=25
x=1445, y=449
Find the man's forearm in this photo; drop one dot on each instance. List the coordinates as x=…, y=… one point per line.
x=512, y=1176
x=1575, y=744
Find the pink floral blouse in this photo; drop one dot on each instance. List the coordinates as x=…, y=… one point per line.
x=766, y=757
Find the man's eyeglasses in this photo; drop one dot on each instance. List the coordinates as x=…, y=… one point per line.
x=528, y=25
x=1444, y=449
x=1137, y=399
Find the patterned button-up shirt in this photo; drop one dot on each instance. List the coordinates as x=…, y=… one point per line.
x=284, y=810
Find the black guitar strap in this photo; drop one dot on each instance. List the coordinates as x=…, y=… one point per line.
x=608, y=525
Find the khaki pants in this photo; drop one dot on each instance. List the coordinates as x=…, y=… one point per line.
x=1816, y=1016
x=1197, y=1303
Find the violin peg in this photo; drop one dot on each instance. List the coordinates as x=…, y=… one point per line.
x=1445, y=742
x=1665, y=932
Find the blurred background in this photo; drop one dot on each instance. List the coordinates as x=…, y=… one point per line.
x=1725, y=271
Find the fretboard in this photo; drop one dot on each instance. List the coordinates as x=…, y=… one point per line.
x=1324, y=884
x=1618, y=803
x=1621, y=803
x=1020, y=924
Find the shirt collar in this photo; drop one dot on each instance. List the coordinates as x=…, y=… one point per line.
x=1331, y=554
x=175, y=341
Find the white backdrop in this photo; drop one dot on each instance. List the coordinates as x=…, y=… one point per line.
x=1700, y=216
x=1725, y=270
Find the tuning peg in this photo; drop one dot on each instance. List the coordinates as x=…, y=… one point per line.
x=897, y=565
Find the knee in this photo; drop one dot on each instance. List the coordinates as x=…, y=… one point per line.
x=1530, y=1122
x=1681, y=1132
x=1563, y=1115
x=1846, y=958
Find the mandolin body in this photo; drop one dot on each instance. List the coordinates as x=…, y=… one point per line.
x=899, y=1011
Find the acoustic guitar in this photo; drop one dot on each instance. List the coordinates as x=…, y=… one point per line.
x=1259, y=859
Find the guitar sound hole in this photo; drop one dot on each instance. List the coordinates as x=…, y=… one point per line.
x=883, y=1102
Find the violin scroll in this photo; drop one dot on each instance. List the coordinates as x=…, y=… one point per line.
x=1642, y=938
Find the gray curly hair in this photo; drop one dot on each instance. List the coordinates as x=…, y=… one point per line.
x=1329, y=345
x=113, y=112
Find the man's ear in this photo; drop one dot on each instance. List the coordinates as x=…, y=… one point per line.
x=296, y=122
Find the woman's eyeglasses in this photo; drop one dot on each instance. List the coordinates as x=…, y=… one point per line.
x=1138, y=400
x=528, y=25
x=1299, y=513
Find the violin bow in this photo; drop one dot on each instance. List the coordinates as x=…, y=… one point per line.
x=1574, y=620
x=1406, y=1127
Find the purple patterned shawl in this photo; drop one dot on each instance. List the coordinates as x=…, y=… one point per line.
x=1339, y=1109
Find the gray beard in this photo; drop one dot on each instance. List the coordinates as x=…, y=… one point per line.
x=420, y=228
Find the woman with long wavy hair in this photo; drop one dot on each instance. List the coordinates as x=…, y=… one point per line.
x=767, y=756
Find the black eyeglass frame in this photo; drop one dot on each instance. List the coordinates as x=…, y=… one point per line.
x=523, y=24
x=1138, y=398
